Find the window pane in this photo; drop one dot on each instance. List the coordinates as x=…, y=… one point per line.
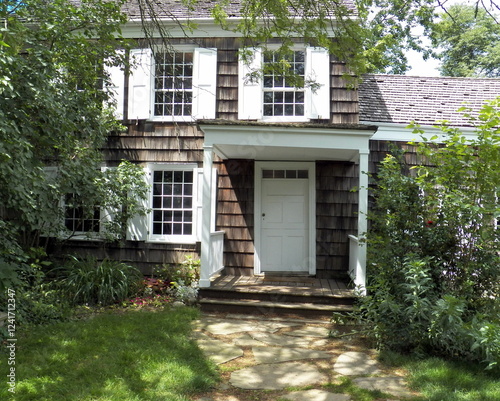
x=177, y=202
x=167, y=202
x=299, y=110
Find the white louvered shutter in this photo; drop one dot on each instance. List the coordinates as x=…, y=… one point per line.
x=137, y=228
x=139, y=101
x=116, y=87
x=204, y=83
x=318, y=70
x=250, y=92
x=199, y=201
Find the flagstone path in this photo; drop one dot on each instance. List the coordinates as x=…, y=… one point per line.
x=278, y=353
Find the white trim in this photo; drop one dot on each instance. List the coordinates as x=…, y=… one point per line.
x=399, y=132
x=311, y=167
x=205, y=28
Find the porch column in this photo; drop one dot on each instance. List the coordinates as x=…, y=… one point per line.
x=360, y=280
x=206, y=211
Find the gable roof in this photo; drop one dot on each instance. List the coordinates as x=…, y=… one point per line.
x=425, y=100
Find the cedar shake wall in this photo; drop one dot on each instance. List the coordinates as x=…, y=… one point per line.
x=345, y=102
x=379, y=150
x=336, y=218
x=235, y=214
x=143, y=143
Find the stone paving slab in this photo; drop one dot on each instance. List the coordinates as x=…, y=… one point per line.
x=276, y=354
x=355, y=364
x=310, y=331
x=276, y=376
x=391, y=385
x=217, y=350
x=231, y=326
x=247, y=340
x=316, y=395
x=282, y=341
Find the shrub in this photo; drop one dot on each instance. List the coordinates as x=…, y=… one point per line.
x=89, y=281
x=187, y=272
x=433, y=251
x=37, y=299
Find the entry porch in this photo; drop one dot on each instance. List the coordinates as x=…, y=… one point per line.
x=277, y=148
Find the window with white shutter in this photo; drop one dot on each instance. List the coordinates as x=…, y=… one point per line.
x=177, y=85
x=272, y=98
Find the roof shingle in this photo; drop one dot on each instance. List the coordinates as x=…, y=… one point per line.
x=425, y=100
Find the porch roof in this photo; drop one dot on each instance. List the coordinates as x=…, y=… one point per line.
x=286, y=141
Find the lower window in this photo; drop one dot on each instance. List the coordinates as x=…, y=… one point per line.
x=79, y=219
x=173, y=204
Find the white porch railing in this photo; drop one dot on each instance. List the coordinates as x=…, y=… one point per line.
x=357, y=263
x=216, y=258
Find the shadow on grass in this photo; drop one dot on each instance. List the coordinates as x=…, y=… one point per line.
x=136, y=355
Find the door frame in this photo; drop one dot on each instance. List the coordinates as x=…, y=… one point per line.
x=311, y=167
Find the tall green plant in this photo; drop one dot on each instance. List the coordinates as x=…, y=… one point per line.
x=434, y=242
x=89, y=281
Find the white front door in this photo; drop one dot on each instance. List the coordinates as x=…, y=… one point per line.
x=285, y=224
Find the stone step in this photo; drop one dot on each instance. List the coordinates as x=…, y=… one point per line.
x=255, y=306
x=275, y=294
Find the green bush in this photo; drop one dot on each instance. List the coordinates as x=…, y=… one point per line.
x=433, y=255
x=36, y=297
x=187, y=272
x=91, y=282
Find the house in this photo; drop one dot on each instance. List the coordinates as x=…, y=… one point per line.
x=257, y=176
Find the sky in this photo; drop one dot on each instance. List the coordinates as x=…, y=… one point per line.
x=419, y=67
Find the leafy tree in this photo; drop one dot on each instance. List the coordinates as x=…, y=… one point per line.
x=470, y=39
x=56, y=110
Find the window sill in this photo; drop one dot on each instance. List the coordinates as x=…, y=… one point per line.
x=287, y=119
x=172, y=240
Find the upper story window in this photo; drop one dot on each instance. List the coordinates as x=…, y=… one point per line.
x=173, y=84
x=274, y=98
x=281, y=98
x=178, y=85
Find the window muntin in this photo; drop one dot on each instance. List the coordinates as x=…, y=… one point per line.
x=280, y=97
x=173, y=84
x=172, y=203
x=79, y=220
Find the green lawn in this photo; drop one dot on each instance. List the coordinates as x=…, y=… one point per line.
x=134, y=355
x=441, y=380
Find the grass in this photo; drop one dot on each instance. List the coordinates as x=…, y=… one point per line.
x=133, y=355
x=443, y=380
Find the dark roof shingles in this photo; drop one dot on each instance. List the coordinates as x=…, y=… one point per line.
x=425, y=100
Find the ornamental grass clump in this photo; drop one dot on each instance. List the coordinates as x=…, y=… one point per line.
x=93, y=282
